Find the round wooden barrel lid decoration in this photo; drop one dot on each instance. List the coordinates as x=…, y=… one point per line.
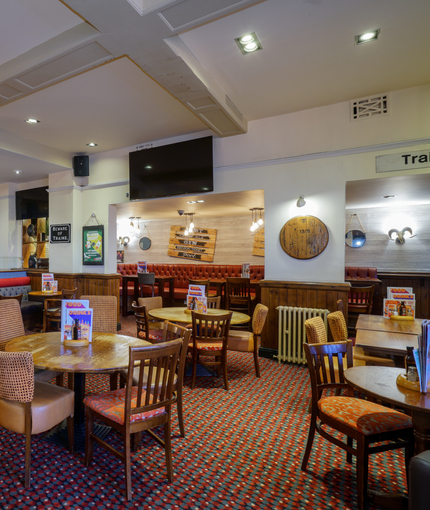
x=304, y=237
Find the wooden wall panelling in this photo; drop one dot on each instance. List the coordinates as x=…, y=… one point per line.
x=304, y=295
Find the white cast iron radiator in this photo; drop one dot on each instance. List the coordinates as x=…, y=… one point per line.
x=291, y=331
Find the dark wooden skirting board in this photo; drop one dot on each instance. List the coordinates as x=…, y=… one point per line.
x=304, y=295
x=86, y=283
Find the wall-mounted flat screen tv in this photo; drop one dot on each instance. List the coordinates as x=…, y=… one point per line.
x=32, y=203
x=175, y=169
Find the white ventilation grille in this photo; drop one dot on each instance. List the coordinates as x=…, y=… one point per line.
x=372, y=106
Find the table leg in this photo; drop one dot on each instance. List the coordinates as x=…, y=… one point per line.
x=79, y=387
x=124, y=297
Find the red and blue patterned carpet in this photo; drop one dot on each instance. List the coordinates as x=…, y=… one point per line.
x=243, y=449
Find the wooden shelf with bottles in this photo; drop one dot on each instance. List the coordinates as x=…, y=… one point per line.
x=35, y=242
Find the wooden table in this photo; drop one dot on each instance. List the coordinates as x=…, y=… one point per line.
x=159, y=280
x=177, y=314
x=108, y=352
x=378, y=334
x=380, y=323
x=380, y=383
x=38, y=295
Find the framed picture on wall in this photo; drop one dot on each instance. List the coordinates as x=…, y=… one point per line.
x=119, y=256
x=93, y=245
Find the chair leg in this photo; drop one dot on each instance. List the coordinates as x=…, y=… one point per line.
x=224, y=367
x=349, y=442
x=71, y=433
x=194, y=370
x=256, y=362
x=311, y=435
x=70, y=381
x=89, y=419
x=168, y=448
x=114, y=381
x=362, y=471
x=59, y=380
x=180, y=412
x=27, y=477
x=127, y=465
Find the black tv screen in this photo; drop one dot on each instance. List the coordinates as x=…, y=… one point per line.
x=175, y=169
x=32, y=203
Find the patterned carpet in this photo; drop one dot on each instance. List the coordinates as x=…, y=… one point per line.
x=243, y=449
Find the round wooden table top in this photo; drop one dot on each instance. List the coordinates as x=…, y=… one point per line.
x=107, y=352
x=178, y=314
x=380, y=382
x=41, y=294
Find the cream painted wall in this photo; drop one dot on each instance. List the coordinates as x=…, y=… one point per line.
x=10, y=229
x=233, y=245
x=378, y=251
x=313, y=153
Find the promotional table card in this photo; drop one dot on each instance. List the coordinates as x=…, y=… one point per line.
x=67, y=318
x=47, y=282
x=142, y=267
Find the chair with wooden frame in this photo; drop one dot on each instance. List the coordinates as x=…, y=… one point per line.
x=214, y=302
x=206, y=283
x=52, y=314
x=339, y=332
x=146, y=280
x=69, y=293
x=145, y=329
x=239, y=298
x=209, y=339
x=360, y=300
x=18, y=297
x=150, y=304
x=139, y=408
x=247, y=341
x=171, y=332
x=361, y=421
x=31, y=407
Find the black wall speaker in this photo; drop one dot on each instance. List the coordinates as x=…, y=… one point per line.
x=81, y=166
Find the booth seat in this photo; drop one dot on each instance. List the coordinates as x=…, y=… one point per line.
x=361, y=274
x=32, y=311
x=182, y=272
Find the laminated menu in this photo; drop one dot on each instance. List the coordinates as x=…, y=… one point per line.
x=422, y=356
x=196, y=298
x=48, y=282
x=72, y=309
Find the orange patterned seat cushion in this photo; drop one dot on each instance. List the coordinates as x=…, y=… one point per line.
x=362, y=415
x=214, y=346
x=112, y=406
x=155, y=335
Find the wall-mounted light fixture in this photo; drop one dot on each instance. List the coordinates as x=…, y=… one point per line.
x=123, y=241
x=400, y=235
x=301, y=201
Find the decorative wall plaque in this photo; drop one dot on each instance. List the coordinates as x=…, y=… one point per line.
x=258, y=248
x=200, y=245
x=304, y=237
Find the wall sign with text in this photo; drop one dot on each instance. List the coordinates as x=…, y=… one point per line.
x=199, y=245
x=410, y=160
x=60, y=233
x=93, y=245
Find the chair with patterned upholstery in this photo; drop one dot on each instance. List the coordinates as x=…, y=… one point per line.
x=373, y=427
x=30, y=407
x=134, y=409
x=209, y=339
x=247, y=341
x=12, y=326
x=145, y=329
x=171, y=332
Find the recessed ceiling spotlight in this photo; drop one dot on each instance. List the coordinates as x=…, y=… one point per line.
x=367, y=36
x=248, y=43
x=32, y=121
x=389, y=196
x=17, y=172
x=192, y=202
x=200, y=201
x=92, y=144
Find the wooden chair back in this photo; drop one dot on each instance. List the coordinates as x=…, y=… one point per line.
x=160, y=361
x=18, y=297
x=327, y=363
x=146, y=279
x=69, y=293
x=52, y=314
x=11, y=323
x=360, y=299
x=238, y=294
x=105, y=310
x=214, y=302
